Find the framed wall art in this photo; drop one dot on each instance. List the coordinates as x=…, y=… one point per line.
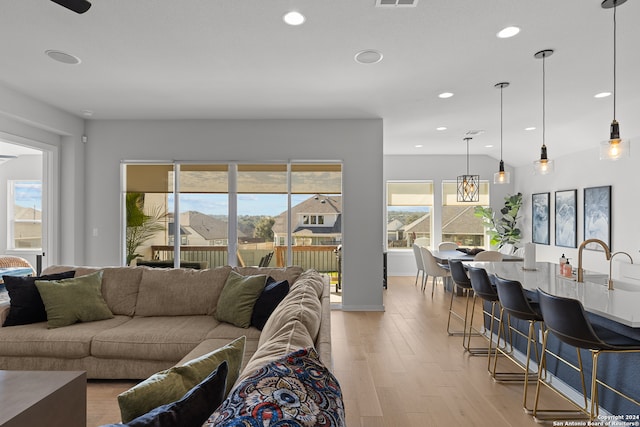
x=540, y=215
x=597, y=216
x=566, y=218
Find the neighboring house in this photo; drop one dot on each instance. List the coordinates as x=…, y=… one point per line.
x=460, y=225
x=315, y=221
x=27, y=227
x=198, y=229
x=421, y=227
x=395, y=230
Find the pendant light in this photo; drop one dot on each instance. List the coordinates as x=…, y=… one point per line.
x=468, y=185
x=614, y=148
x=543, y=166
x=501, y=177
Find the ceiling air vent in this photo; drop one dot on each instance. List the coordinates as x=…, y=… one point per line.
x=396, y=3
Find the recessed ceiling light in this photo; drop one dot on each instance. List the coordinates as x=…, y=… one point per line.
x=368, y=56
x=419, y=146
x=87, y=113
x=65, y=58
x=602, y=95
x=507, y=32
x=530, y=128
x=488, y=146
x=441, y=128
x=445, y=95
x=294, y=18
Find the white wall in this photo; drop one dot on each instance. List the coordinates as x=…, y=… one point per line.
x=358, y=143
x=579, y=171
x=437, y=169
x=26, y=120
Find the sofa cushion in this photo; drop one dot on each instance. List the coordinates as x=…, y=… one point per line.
x=170, y=385
x=192, y=410
x=70, y=342
x=302, y=303
x=272, y=294
x=296, y=390
x=180, y=292
x=153, y=338
x=238, y=298
x=290, y=337
x=68, y=301
x=290, y=274
x=119, y=285
x=26, y=304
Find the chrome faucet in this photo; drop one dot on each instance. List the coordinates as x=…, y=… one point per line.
x=607, y=253
x=611, y=262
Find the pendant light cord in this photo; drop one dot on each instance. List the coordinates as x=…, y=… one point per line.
x=614, y=62
x=467, y=155
x=501, y=87
x=544, y=55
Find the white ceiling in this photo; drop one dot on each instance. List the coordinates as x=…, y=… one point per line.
x=168, y=59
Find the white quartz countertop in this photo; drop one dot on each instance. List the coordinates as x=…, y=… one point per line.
x=621, y=305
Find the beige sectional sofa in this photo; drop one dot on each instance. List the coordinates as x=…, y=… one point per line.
x=164, y=317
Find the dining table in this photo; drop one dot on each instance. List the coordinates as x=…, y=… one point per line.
x=443, y=257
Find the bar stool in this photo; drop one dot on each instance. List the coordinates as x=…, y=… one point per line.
x=514, y=302
x=461, y=281
x=483, y=289
x=565, y=318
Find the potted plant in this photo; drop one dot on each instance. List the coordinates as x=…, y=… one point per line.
x=140, y=226
x=503, y=230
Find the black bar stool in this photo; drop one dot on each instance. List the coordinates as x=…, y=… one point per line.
x=460, y=281
x=514, y=303
x=483, y=289
x=565, y=318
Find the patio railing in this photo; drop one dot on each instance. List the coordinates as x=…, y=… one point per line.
x=321, y=258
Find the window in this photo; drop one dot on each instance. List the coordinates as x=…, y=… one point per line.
x=409, y=207
x=233, y=211
x=25, y=214
x=459, y=224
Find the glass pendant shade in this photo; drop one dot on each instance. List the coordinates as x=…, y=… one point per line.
x=543, y=166
x=501, y=177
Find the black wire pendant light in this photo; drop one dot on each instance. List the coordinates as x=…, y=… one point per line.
x=501, y=177
x=615, y=147
x=543, y=166
x=468, y=185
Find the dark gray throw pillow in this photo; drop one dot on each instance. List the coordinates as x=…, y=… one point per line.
x=26, y=305
x=192, y=410
x=272, y=294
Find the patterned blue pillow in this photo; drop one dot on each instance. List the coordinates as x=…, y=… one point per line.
x=294, y=391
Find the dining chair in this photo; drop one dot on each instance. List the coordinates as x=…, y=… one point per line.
x=418, y=256
x=566, y=320
x=447, y=246
x=488, y=256
x=433, y=269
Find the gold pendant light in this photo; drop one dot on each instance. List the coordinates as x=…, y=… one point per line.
x=501, y=177
x=615, y=147
x=543, y=166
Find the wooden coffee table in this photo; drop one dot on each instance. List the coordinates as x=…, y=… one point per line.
x=39, y=398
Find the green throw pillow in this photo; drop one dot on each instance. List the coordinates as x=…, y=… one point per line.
x=238, y=297
x=172, y=384
x=68, y=301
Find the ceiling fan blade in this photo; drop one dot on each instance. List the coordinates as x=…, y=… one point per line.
x=78, y=6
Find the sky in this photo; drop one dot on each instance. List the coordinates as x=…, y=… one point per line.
x=28, y=194
x=248, y=204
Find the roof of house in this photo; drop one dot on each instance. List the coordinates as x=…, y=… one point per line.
x=460, y=220
x=207, y=226
x=318, y=204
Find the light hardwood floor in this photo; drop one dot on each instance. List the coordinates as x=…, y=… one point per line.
x=397, y=368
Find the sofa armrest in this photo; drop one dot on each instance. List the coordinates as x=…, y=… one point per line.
x=4, y=312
